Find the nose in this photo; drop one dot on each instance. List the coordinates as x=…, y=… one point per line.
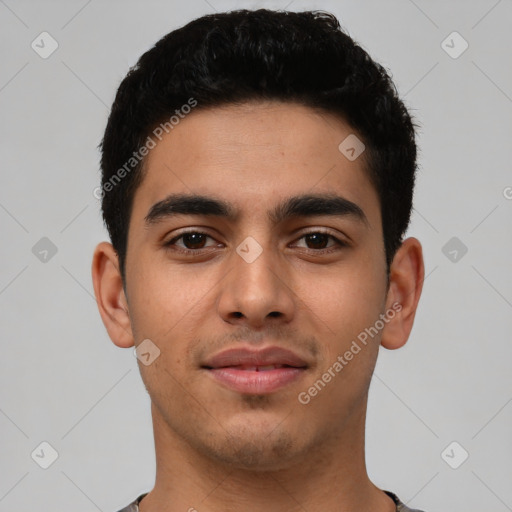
x=257, y=292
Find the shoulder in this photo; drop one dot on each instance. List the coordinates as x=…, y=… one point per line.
x=134, y=505
x=401, y=507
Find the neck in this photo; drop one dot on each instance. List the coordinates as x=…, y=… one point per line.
x=332, y=477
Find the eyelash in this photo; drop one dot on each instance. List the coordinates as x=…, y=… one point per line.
x=169, y=245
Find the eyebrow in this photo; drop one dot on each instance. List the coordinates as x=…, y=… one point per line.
x=307, y=205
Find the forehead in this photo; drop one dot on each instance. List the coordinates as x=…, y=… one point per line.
x=259, y=152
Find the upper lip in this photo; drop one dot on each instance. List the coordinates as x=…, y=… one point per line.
x=241, y=356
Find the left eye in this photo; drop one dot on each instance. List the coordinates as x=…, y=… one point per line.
x=319, y=239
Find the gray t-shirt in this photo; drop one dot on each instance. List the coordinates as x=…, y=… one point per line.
x=400, y=507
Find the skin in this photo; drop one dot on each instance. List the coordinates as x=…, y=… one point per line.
x=217, y=449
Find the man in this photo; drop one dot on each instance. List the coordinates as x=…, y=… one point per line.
x=258, y=172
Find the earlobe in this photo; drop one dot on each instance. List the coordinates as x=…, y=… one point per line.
x=407, y=273
x=110, y=296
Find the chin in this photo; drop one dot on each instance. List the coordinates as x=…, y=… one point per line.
x=259, y=456
x=258, y=446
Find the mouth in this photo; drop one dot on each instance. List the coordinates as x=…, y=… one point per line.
x=256, y=379
x=256, y=372
x=253, y=368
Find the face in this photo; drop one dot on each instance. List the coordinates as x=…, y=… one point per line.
x=292, y=283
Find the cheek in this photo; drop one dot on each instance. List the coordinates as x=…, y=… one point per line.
x=344, y=303
x=165, y=309
x=156, y=304
x=167, y=304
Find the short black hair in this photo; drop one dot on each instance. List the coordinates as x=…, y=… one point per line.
x=246, y=55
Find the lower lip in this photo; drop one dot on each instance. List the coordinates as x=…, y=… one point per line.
x=249, y=381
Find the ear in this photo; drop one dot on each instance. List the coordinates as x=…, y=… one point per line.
x=407, y=273
x=110, y=296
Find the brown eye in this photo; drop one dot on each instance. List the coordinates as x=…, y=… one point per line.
x=189, y=242
x=317, y=240
x=194, y=240
x=320, y=241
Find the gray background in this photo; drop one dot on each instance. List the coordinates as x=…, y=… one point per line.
x=64, y=382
